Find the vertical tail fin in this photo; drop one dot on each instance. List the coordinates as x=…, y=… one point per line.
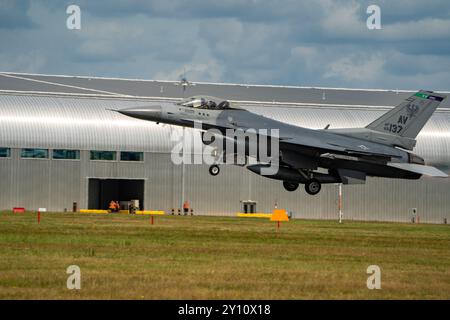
x=407, y=119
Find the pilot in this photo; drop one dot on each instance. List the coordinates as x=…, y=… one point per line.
x=203, y=103
x=211, y=105
x=224, y=105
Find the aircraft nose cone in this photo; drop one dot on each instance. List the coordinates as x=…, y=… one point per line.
x=145, y=113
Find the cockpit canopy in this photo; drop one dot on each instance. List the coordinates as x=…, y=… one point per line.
x=205, y=102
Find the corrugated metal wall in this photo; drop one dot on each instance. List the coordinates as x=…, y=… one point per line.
x=56, y=122
x=78, y=123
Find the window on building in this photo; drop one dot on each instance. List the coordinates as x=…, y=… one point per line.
x=103, y=155
x=66, y=154
x=34, y=153
x=131, y=156
x=5, y=152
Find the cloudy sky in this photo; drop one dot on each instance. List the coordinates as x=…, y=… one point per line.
x=291, y=42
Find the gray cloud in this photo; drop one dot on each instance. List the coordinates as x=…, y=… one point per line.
x=14, y=14
x=320, y=43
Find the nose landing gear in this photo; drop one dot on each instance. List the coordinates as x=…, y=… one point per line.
x=214, y=170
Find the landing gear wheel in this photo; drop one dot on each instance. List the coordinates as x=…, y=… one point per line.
x=214, y=170
x=290, y=186
x=313, y=187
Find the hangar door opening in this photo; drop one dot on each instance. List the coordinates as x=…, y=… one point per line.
x=102, y=191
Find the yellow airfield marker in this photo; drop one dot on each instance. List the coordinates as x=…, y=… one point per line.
x=149, y=212
x=254, y=215
x=153, y=212
x=93, y=211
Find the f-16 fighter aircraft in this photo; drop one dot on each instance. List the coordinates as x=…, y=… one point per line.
x=313, y=157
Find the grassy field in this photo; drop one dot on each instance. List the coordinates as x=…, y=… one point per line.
x=125, y=257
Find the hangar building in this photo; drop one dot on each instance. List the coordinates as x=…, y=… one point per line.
x=59, y=144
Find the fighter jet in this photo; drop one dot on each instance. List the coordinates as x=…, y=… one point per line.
x=314, y=157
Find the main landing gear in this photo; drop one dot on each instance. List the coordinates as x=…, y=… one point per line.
x=312, y=186
x=290, y=186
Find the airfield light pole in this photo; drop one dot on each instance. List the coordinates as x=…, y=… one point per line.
x=340, y=202
x=249, y=186
x=182, y=170
x=184, y=84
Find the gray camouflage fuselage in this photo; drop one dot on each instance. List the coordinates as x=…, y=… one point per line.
x=308, y=142
x=349, y=154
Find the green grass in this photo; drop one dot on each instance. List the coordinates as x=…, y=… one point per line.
x=125, y=257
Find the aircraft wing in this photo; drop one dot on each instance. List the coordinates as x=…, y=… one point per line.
x=418, y=168
x=324, y=146
x=322, y=142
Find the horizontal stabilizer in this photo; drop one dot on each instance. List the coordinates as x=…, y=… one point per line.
x=418, y=168
x=351, y=176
